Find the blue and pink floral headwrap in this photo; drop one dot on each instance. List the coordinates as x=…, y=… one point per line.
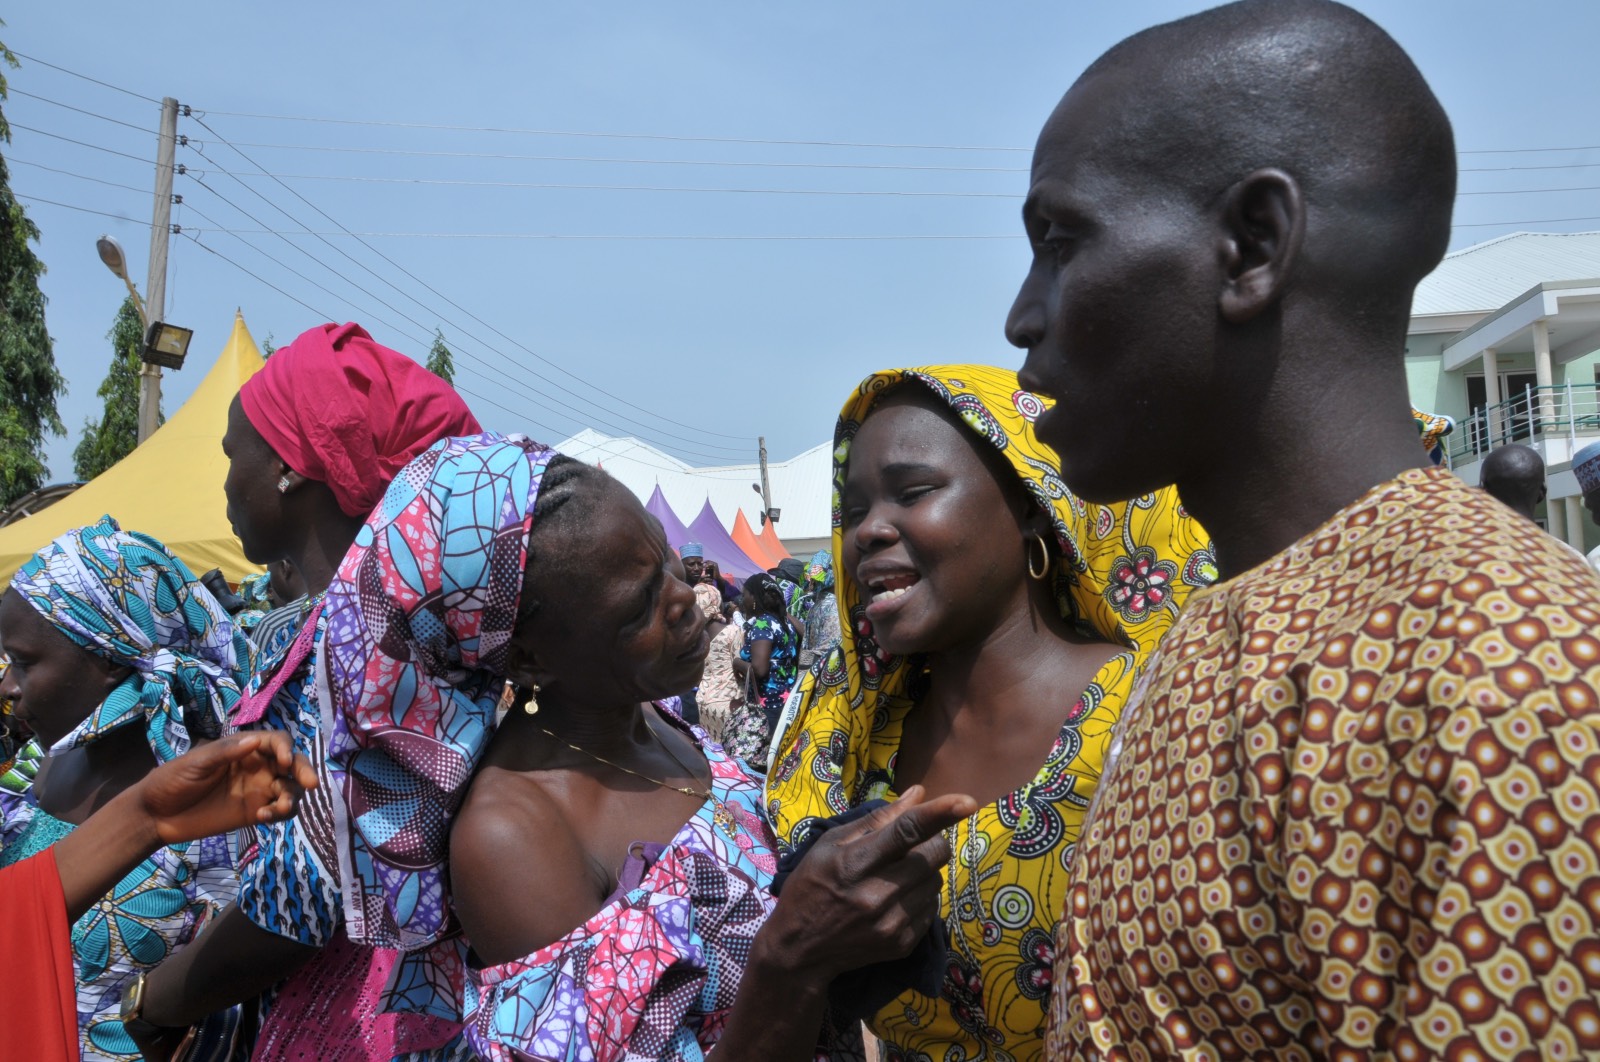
x=419, y=621
x=124, y=596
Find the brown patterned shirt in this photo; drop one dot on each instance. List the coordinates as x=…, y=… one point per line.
x=1355, y=812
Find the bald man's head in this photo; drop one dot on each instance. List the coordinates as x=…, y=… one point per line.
x=1312, y=88
x=1224, y=211
x=1514, y=475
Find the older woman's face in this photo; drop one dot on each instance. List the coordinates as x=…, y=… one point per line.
x=933, y=539
x=53, y=683
x=617, y=618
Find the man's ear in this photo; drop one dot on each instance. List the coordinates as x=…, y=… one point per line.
x=1264, y=224
x=289, y=480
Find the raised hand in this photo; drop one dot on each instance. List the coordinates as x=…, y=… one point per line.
x=867, y=892
x=223, y=785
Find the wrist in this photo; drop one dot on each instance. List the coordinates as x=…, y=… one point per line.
x=773, y=953
x=145, y=1033
x=143, y=826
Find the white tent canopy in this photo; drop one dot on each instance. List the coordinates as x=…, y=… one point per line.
x=801, y=486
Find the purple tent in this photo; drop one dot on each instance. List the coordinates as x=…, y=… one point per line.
x=706, y=530
x=720, y=546
x=657, y=507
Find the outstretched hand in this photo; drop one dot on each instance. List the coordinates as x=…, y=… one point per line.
x=867, y=892
x=237, y=781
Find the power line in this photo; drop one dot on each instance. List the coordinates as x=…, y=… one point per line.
x=441, y=127
x=86, y=77
x=348, y=149
x=743, y=164
x=608, y=136
x=235, y=232
x=641, y=237
x=1530, y=191
x=439, y=294
x=396, y=309
x=653, y=136
x=211, y=250
x=555, y=434
x=80, y=143
x=80, y=176
x=1515, y=169
x=69, y=206
x=613, y=187
x=556, y=186
x=322, y=315
x=1531, y=221
x=1528, y=151
x=79, y=110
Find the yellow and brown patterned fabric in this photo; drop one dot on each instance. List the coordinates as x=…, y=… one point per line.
x=1354, y=810
x=1122, y=573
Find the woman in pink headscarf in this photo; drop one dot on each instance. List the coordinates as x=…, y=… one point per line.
x=313, y=441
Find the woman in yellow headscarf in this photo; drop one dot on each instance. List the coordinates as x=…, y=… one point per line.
x=993, y=626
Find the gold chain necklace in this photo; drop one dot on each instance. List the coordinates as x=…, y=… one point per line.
x=702, y=794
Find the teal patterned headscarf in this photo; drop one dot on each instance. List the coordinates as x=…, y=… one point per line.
x=124, y=596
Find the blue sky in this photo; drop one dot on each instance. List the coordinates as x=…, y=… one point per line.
x=697, y=345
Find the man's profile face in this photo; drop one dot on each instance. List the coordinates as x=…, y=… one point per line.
x=1119, y=306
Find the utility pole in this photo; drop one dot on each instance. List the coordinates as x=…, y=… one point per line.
x=155, y=287
x=766, y=487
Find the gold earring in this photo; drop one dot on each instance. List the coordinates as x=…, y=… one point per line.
x=1043, y=569
x=532, y=705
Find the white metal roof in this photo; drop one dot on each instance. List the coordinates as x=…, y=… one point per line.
x=1484, y=277
x=801, y=486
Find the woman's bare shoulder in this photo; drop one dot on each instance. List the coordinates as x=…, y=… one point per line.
x=511, y=843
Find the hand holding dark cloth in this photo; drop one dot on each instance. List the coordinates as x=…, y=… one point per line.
x=857, y=995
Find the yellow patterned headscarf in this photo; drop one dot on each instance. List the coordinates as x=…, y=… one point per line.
x=1121, y=573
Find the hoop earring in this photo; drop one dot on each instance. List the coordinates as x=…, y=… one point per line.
x=283, y=484
x=1043, y=570
x=532, y=704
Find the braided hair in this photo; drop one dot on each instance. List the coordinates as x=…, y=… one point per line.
x=568, y=490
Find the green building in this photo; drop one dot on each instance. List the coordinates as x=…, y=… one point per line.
x=1505, y=337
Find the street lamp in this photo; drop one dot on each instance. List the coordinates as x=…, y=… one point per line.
x=164, y=344
x=111, y=254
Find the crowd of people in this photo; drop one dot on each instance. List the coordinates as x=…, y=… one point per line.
x=1164, y=700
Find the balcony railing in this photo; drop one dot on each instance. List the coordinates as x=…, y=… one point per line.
x=1536, y=413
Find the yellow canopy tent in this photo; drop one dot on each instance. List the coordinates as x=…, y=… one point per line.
x=169, y=487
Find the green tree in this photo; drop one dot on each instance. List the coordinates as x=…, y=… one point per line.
x=29, y=381
x=114, y=438
x=267, y=347
x=440, y=361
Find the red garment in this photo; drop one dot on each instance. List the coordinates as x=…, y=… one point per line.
x=39, y=1006
x=345, y=411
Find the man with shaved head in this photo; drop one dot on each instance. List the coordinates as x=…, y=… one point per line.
x=1514, y=476
x=1354, y=809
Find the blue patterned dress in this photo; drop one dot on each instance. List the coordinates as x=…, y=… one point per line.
x=288, y=871
x=751, y=724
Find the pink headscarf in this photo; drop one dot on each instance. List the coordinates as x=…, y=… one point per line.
x=345, y=411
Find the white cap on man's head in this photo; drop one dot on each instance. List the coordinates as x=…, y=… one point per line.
x=1586, y=466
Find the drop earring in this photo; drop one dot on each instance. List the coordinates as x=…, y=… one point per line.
x=532, y=704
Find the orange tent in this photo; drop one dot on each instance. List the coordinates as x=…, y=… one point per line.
x=769, y=541
x=747, y=540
